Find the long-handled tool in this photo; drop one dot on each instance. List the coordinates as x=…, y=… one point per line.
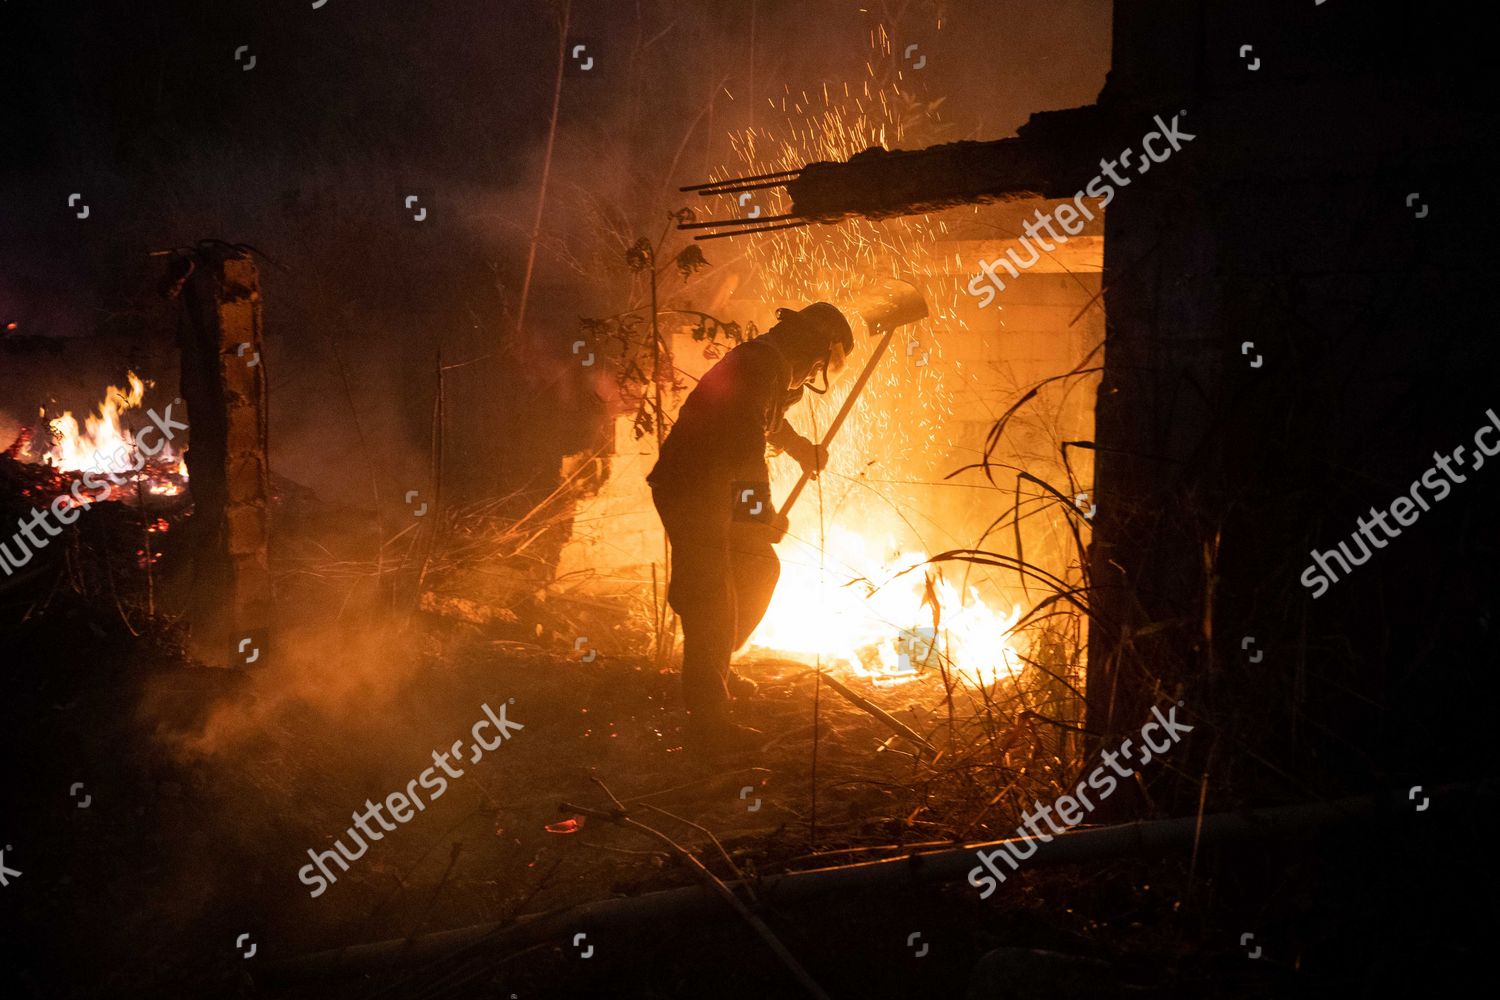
x=896, y=304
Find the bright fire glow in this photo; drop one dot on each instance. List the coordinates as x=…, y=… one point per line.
x=165, y=488
x=881, y=625
x=102, y=436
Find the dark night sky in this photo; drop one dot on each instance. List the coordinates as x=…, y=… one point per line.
x=464, y=83
x=143, y=108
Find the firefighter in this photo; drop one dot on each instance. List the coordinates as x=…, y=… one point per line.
x=710, y=487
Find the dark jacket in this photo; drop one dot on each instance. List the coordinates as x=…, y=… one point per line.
x=720, y=434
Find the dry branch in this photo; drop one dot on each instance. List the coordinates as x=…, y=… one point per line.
x=899, y=727
x=713, y=882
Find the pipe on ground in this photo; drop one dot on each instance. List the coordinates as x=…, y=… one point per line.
x=917, y=870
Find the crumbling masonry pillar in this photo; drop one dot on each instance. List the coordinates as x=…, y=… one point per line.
x=224, y=386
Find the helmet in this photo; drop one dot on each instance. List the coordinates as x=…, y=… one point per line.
x=826, y=332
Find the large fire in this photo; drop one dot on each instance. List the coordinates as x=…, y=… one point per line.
x=850, y=604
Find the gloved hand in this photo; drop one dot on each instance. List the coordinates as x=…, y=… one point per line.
x=812, y=457
x=776, y=526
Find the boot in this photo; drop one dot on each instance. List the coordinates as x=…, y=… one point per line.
x=740, y=687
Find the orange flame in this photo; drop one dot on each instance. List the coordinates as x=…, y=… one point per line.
x=880, y=623
x=102, y=436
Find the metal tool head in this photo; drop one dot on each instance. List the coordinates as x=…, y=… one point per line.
x=890, y=304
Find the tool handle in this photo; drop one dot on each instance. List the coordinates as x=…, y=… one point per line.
x=838, y=421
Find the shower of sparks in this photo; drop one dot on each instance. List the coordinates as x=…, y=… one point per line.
x=900, y=434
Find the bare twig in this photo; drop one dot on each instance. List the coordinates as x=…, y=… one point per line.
x=709, y=834
x=618, y=817
x=620, y=806
x=541, y=195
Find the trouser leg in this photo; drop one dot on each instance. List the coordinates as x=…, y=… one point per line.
x=707, y=644
x=754, y=570
x=701, y=592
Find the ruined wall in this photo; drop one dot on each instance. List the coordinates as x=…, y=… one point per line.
x=1319, y=225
